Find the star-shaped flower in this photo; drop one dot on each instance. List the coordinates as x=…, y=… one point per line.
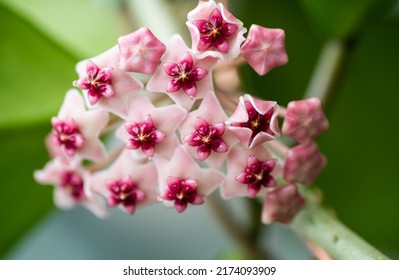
x=104, y=85
x=76, y=131
x=282, y=204
x=126, y=183
x=181, y=76
x=204, y=131
x=215, y=31
x=303, y=163
x=151, y=129
x=305, y=120
x=71, y=182
x=257, y=174
x=140, y=51
x=248, y=170
x=183, y=182
x=264, y=48
x=254, y=121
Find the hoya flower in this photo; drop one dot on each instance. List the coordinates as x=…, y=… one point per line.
x=126, y=183
x=304, y=120
x=76, y=130
x=303, y=163
x=140, y=51
x=104, y=85
x=264, y=48
x=282, y=204
x=249, y=171
x=204, y=131
x=215, y=31
x=183, y=182
x=71, y=183
x=150, y=131
x=255, y=121
x=180, y=75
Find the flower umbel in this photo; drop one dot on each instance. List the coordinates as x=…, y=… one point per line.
x=175, y=153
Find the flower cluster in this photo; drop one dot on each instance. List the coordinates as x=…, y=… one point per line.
x=176, y=131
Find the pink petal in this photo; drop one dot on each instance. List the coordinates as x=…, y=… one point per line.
x=93, y=96
x=173, y=85
x=253, y=164
x=228, y=29
x=187, y=61
x=133, y=144
x=172, y=69
x=106, y=90
x=221, y=44
x=190, y=88
x=157, y=136
x=148, y=149
x=218, y=129
x=180, y=205
x=202, y=25
x=140, y=51
x=105, y=74
x=253, y=189
x=193, y=139
x=219, y=146
x=197, y=74
x=147, y=121
x=112, y=201
x=216, y=18
x=201, y=126
x=264, y=48
x=132, y=128
x=205, y=42
x=174, y=183
x=131, y=208
x=197, y=200
x=244, y=177
x=91, y=69
x=203, y=152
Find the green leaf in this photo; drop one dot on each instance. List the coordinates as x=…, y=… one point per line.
x=342, y=18
x=34, y=75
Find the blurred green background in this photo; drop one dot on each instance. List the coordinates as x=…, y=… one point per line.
x=41, y=41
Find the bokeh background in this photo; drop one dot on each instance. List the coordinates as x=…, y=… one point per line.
x=42, y=40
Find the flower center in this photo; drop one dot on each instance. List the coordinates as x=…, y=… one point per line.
x=257, y=174
x=67, y=135
x=207, y=138
x=145, y=135
x=182, y=192
x=72, y=183
x=124, y=192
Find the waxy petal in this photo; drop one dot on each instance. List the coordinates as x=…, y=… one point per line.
x=174, y=85
x=264, y=49
x=140, y=51
x=172, y=69
x=203, y=152
x=201, y=126
x=282, y=205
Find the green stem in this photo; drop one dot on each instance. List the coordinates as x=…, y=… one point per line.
x=329, y=71
x=317, y=225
